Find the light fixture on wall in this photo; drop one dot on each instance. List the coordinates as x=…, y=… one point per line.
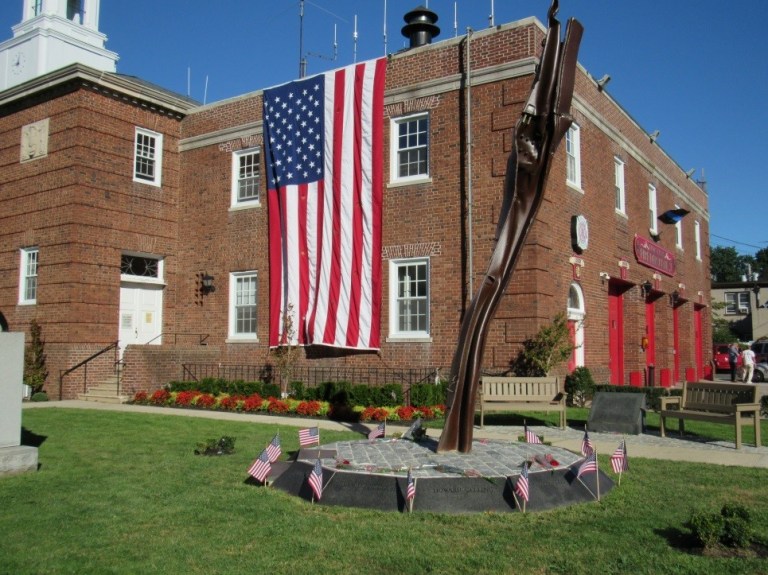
x=645, y=288
x=206, y=284
x=605, y=276
x=601, y=83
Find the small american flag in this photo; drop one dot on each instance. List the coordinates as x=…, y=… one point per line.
x=309, y=436
x=589, y=464
x=619, y=461
x=410, y=492
x=521, y=487
x=316, y=480
x=530, y=436
x=380, y=431
x=261, y=467
x=273, y=449
x=586, y=445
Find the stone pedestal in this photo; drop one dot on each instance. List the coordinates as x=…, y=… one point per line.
x=14, y=457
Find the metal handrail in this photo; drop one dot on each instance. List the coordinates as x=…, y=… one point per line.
x=85, y=362
x=202, y=336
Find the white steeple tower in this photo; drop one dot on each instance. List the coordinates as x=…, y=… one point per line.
x=53, y=34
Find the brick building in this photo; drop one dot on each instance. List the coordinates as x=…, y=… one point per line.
x=120, y=201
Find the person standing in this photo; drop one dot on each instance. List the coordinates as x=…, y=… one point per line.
x=733, y=359
x=748, y=363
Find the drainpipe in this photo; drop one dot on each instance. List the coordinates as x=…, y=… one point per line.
x=469, y=164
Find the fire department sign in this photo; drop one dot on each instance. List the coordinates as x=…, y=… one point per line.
x=654, y=256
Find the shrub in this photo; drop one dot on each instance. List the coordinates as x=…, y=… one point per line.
x=764, y=405
x=230, y=402
x=222, y=446
x=253, y=403
x=706, y=527
x=140, y=397
x=405, y=412
x=580, y=386
x=428, y=393
x=160, y=397
x=184, y=398
x=277, y=406
x=39, y=396
x=732, y=527
x=310, y=408
x=374, y=414
x=205, y=400
x=35, y=372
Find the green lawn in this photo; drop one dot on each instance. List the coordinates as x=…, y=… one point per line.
x=124, y=493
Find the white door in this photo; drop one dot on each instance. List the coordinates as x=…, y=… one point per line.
x=140, y=314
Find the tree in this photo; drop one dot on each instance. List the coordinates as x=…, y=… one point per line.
x=35, y=372
x=726, y=265
x=287, y=354
x=549, y=347
x=761, y=263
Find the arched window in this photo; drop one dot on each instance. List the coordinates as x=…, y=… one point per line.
x=576, y=313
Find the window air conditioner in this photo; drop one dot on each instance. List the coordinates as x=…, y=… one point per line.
x=743, y=309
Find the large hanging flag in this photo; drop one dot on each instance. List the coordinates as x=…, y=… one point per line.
x=323, y=138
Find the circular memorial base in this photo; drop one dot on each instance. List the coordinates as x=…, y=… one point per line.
x=374, y=475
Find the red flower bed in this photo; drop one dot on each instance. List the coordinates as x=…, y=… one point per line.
x=230, y=402
x=425, y=412
x=253, y=402
x=206, y=400
x=160, y=397
x=186, y=397
x=308, y=408
x=277, y=406
x=373, y=414
x=140, y=397
x=405, y=413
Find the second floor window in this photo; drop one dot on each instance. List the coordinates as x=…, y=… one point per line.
x=652, y=210
x=246, y=176
x=618, y=179
x=573, y=156
x=737, y=302
x=410, y=148
x=28, y=278
x=148, y=156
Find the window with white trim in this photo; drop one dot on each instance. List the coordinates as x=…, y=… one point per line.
x=28, y=276
x=573, y=156
x=697, y=238
x=141, y=268
x=737, y=302
x=37, y=7
x=246, y=177
x=652, y=209
x=410, y=148
x=409, y=298
x=243, y=290
x=678, y=231
x=618, y=183
x=148, y=157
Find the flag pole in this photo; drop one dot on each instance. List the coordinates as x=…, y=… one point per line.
x=515, y=494
x=410, y=503
x=597, y=475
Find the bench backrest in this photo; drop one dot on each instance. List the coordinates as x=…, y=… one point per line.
x=519, y=388
x=711, y=396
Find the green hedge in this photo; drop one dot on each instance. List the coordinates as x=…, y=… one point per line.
x=428, y=394
x=217, y=386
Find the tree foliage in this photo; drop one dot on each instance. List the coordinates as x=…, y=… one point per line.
x=35, y=372
x=727, y=265
x=549, y=347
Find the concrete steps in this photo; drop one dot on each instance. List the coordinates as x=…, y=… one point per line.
x=105, y=391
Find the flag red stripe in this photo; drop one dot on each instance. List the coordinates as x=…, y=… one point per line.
x=299, y=327
x=275, y=267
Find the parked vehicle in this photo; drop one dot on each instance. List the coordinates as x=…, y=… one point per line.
x=760, y=375
x=720, y=355
x=761, y=351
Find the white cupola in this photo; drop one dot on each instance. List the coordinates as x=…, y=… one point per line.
x=53, y=34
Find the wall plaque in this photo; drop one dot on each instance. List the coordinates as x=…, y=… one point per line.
x=654, y=256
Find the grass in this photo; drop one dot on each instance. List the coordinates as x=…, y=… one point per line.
x=124, y=493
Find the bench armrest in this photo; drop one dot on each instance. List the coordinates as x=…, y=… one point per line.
x=667, y=401
x=747, y=407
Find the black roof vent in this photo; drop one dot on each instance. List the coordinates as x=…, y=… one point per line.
x=420, y=26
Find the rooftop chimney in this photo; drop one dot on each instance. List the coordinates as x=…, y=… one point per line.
x=420, y=26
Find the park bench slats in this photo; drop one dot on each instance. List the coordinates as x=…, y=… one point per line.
x=499, y=393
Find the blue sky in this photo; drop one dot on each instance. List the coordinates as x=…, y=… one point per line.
x=691, y=69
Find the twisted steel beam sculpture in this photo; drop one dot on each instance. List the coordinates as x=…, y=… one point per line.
x=542, y=125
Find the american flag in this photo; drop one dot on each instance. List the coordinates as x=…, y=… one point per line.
x=309, y=436
x=410, y=491
x=324, y=147
x=316, y=480
x=619, y=461
x=273, y=449
x=588, y=465
x=586, y=445
x=380, y=431
x=261, y=467
x=521, y=487
x=530, y=436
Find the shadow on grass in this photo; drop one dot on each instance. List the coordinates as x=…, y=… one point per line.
x=31, y=439
x=686, y=542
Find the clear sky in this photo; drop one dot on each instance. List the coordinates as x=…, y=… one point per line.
x=694, y=69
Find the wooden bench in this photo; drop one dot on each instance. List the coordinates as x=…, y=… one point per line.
x=731, y=403
x=521, y=394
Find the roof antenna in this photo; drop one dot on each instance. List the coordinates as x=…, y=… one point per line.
x=385, y=27
x=492, y=17
x=455, y=19
x=354, y=40
x=302, y=60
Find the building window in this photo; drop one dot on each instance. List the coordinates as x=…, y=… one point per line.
x=697, y=238
x=133, y=267
x=246, y=176
x=409, y=298
x=652, y=210
x=37, y=7
x=148, y=157
x=75, y=11
x=678, y=232
x=243, y=289
x=737, y=302
x=28, y=276
x=410, y=148
x=573, y=156
x=618, y=181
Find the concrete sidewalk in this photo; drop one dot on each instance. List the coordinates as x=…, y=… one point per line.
x=648, y=445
